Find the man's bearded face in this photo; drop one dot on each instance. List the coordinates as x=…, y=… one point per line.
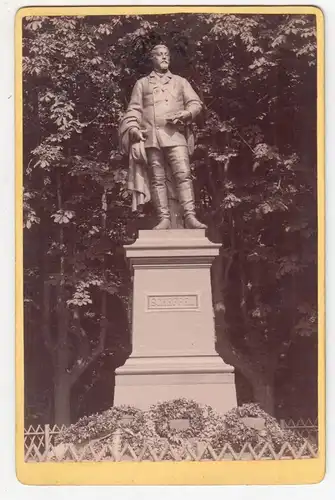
x=161, y=58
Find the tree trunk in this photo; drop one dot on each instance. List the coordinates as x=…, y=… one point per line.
x=264, y=394
x=62, y=401
x=62, y=384
x=262, y=384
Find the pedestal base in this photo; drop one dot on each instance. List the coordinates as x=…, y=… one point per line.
x=142, y=382
x=173, y=335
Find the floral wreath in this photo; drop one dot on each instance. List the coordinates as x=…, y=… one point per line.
x=162, y=413
x=101, y=426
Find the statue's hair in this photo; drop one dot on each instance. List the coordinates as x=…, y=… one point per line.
x=159, y=45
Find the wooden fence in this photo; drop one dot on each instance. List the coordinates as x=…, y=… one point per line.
x=189, y=452
x=307, y=429
x=40, y=437
x=39, y=446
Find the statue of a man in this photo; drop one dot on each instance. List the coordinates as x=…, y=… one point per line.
x=156, y=130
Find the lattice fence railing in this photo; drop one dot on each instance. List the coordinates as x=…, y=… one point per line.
x=307, y=429
x=39, y=446
x=41, y=437
x=165, y=452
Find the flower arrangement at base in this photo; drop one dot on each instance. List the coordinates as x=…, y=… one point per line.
x=164, y=412
x=100, y=427
x=237, y=432
x=180, y=424
x=203, y=421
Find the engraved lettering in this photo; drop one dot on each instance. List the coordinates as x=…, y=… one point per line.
x=168, y=302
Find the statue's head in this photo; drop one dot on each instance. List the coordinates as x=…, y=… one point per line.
x=160, y=57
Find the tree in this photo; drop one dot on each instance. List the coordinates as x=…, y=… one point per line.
x=255, y=171
x=264, y=193
x=79, y=229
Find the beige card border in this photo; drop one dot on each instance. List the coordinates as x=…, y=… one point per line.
x=302, y=471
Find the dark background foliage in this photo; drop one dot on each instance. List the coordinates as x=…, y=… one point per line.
x=255, y=181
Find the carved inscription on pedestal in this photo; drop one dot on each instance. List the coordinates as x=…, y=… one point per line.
x=172, y=302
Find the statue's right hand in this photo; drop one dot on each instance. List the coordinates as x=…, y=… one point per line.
x=136, y=135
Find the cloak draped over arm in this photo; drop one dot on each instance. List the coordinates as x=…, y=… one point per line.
x=132, y=117
x=138, y=182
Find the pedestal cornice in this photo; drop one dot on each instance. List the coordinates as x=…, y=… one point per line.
x=172, y=247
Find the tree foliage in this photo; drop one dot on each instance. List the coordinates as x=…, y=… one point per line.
x=255, y=182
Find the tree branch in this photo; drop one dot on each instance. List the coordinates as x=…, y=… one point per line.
x=243, y=301
x=220, y=285
x=254, y=338
x=242, y=139
x=242, y=362
x=83, y=362
x=230, y=354
x=49, y=343
x=87, y=359
x=84, y=344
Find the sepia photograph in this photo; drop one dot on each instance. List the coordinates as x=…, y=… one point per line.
x=169, y=165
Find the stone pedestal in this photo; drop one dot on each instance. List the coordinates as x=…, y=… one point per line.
x=173, y=338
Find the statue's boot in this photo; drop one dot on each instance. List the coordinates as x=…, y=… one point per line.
x=191, y=222
x=163, y=224
x=159, y=192
x=186, y=199
x=160, y=200
x=179, y=160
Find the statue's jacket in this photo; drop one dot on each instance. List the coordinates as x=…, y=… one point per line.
x=155, y=99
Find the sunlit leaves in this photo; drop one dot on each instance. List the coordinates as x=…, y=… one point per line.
x=265, y=151
x=230, y=201
x=30, y=217
x=271, y=205
x=34, y=23
x=63, y=216
x=47, y=155
x=62, y=112
x=82, y=292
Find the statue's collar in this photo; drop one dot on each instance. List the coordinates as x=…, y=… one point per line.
x=164, y=78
